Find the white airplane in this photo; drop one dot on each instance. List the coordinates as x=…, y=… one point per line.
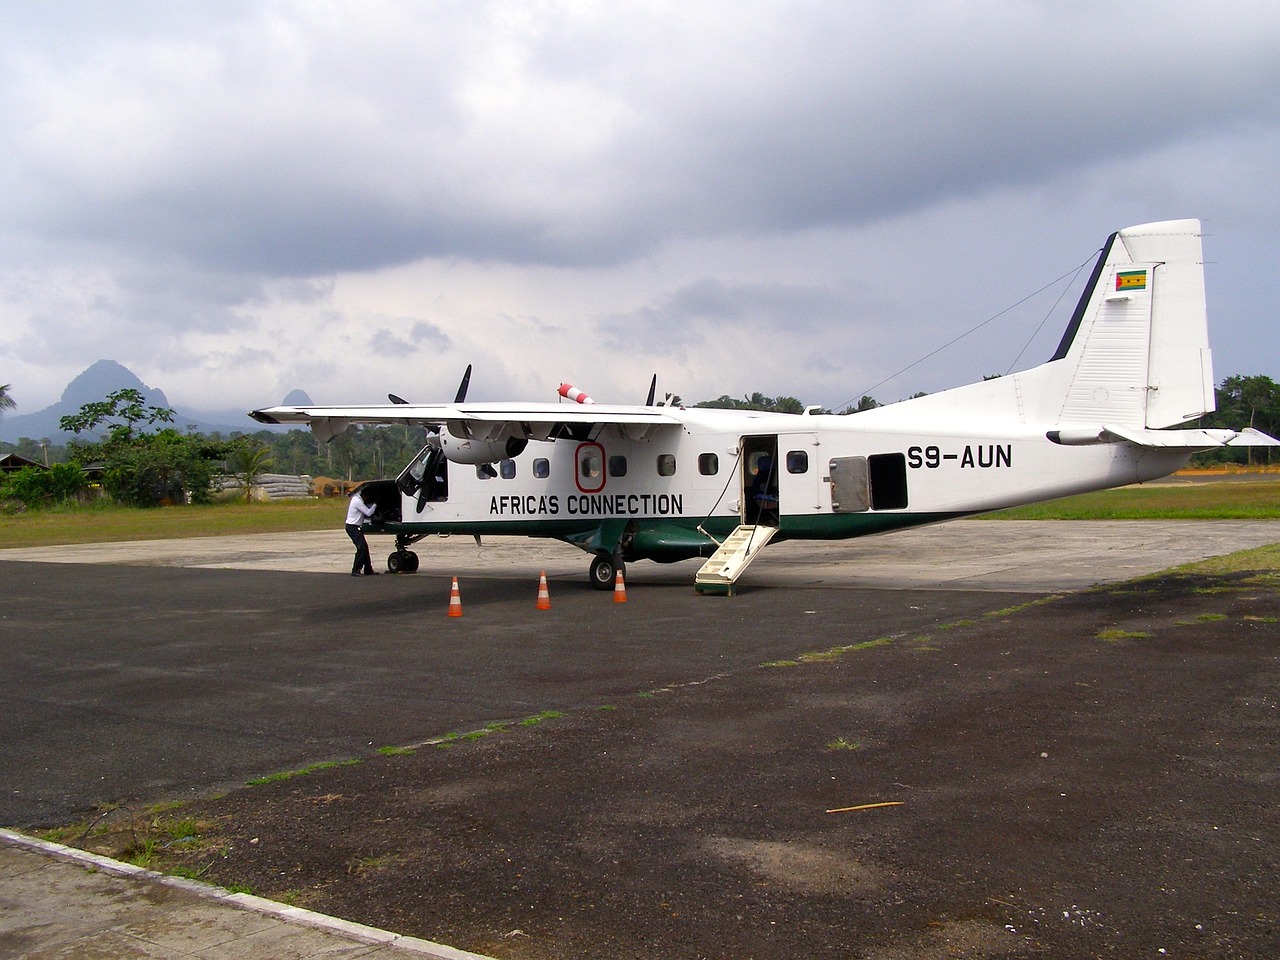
x=666, y=483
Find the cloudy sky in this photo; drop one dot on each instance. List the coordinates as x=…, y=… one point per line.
x=241, y=198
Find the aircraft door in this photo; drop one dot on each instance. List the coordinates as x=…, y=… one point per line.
x=760, y=487
x=799, y=481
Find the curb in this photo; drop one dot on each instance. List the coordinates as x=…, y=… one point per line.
x=241, y=901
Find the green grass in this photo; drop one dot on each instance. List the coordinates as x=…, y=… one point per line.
x=102, y=523
x=1114, y=634
x=1252, y=500
x=305, y=771
x=111, y=524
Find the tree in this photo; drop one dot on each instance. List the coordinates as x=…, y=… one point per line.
x=249, y=461
x=146, y=469
x=127, y=408
x=6, y=402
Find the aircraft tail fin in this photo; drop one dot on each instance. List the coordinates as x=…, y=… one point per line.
x=1136, y=353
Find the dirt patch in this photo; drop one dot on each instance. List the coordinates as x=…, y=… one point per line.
x=1091, y=776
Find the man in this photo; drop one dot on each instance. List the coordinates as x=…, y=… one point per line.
x=357, y=512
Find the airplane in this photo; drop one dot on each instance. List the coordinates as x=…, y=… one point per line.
x=663, y=482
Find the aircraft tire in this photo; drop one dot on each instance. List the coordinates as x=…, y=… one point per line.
x=604, y=569
x=402, y=561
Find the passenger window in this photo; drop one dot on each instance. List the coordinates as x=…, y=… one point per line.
x=508, y=469
x=617, y=466
x=708, y=464
x=542, y=468
x=797, y=461
x=589, y=465
x=667, y=465
x=485, y=471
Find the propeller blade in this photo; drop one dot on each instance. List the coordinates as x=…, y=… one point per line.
x=462, y=387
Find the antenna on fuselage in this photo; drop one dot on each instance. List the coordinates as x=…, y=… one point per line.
x=653, y=391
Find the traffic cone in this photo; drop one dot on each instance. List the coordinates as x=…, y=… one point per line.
x=619, y=589
x=544, y=598
x=455, y=600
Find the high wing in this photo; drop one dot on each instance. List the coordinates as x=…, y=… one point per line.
x=486, y=421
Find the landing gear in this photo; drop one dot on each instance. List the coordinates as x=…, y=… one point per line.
x=604, y=570
x=402, y=561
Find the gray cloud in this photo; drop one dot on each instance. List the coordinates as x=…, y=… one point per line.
x=279, y=139
x=176, y=173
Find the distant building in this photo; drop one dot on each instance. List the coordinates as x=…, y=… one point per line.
x=11, y=462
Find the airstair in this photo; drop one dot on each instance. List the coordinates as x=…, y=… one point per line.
x=726, y=565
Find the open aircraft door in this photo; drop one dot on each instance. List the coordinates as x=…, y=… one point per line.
x=780, y=477
x=800, y=486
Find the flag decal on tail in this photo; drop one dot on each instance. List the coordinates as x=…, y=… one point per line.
x=1131, y=280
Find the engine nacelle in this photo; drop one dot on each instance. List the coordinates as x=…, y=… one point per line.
x=480, y=451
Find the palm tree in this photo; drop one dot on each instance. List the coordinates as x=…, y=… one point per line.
x=6, y=402
x=250, y=462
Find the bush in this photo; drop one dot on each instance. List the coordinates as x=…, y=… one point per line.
x=37, y=487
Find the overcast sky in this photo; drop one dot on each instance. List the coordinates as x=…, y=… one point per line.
x=239, y=198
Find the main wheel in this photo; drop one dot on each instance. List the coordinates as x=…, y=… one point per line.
x=604, y=571
x=399, y=562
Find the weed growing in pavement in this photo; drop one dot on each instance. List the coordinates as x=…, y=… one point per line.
x=290, y=774
x=840, y=743
x=396, y=751
x=1019, y=607
x=538, y=718
x=1114, y=635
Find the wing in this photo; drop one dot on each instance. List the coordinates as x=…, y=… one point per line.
x=487, y=421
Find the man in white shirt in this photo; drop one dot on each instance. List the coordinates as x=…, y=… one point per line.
x=357, y=512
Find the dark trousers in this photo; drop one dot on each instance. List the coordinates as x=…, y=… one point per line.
x=361, y=564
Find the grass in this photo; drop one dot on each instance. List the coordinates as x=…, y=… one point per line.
x=112, y=524
x=305, y=771
x=1114, y=634
x=1254, y=500
x=840, y=743
x=103, y=523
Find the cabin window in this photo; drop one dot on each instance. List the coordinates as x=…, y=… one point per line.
x=797, y=461
x=508, y=469
x=617, y=466
x=589, y=466
x=485, y=471
x=708, y=464
x=666, y=464
x=542, y=468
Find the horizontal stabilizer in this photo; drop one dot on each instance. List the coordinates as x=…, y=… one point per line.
x=1188, y=439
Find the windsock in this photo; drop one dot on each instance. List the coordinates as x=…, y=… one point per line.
x=570, y=392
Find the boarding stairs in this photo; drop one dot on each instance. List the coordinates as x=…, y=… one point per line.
x=719, y=574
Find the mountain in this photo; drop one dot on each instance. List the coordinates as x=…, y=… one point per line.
x=102, y=378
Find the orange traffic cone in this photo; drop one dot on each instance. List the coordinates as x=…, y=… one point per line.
x=455, y=600
x=544, y=598
x=619, y=589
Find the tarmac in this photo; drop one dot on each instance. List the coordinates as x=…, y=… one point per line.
x=56, y=901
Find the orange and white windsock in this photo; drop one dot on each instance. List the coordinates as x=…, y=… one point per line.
x=570, y=392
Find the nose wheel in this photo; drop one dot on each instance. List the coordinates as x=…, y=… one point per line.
x=604, y=571
x=402, y=561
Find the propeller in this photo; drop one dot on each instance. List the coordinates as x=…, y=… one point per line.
x=462, y=387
